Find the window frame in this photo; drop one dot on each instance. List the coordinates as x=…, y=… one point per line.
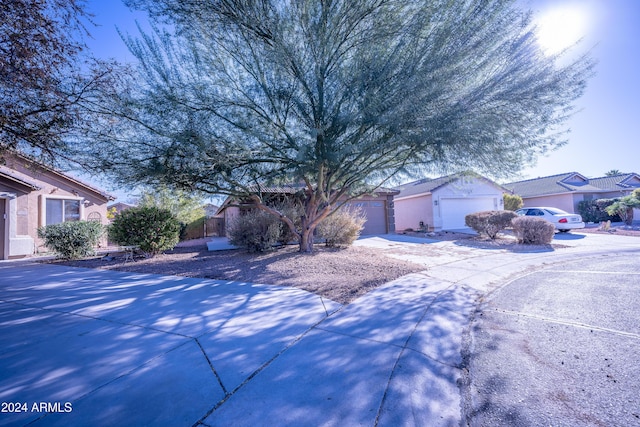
x=43, y=207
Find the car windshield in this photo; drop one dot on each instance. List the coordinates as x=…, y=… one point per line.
x=554, y=211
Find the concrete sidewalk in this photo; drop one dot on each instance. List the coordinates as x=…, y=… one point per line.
x=133, y=349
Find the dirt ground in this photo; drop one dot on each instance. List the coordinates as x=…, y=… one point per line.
x=338, y=274
x=618, y=230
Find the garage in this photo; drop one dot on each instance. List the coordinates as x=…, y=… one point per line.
x=442, y=203
x=453, y=211
x=375, y=211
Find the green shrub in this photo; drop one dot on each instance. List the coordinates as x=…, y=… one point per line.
x=595, y=210
x=589, y=211
x=152, y=229
x=602, y=205
x=512, y=202
x=72, y=239
x=342, y=227
x=489, y=223
x=533, y=231
x=256, y=231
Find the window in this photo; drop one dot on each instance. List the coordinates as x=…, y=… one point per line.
x=62, y=210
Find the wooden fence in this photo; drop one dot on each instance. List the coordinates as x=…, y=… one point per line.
x=205, y=227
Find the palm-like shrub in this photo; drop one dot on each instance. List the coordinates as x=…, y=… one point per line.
x=150, y=228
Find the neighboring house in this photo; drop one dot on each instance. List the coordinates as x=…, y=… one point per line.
x=378, y=208
x=33, y=195
x=119, y=207
x=565, y=191
x=442, y=203
x=210, y=210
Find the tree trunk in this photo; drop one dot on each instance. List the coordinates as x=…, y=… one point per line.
x=306, y=240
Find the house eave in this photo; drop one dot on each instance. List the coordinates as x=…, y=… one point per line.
x=23, y=184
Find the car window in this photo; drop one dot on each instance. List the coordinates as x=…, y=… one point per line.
x=535, y=212
x=554, y=211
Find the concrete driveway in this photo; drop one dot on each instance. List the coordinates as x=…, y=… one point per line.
x=132, y=349
x=86, y=347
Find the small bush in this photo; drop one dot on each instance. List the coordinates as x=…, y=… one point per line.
x=256, y=230
x=512, y=202
x=342, y=227
x=489, y=223
x=72, y=239
x=533, y=231
x=150, y=228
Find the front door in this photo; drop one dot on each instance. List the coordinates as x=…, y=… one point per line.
x=3, y=225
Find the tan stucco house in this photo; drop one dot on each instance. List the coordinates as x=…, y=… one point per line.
x=565, y=191
x=33, y=195
x=442, y=203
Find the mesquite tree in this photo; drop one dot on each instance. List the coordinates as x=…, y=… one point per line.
x=338, y=95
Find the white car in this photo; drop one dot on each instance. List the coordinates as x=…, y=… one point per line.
x=563, y=221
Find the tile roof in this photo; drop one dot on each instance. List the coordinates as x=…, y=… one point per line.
x=571, y=182
x=425, y=185
x=8, y=175
x=617, y=182
x=428, y=185
x=64, y=175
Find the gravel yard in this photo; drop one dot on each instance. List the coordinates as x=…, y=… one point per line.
x=341, y=275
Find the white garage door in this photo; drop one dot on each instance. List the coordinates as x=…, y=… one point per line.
x=453, y=211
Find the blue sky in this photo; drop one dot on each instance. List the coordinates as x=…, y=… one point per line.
x=604, y=132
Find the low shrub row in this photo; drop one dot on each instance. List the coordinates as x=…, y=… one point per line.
x=259, y=231
x=73, y=239
x=527, y=230
x=151, y=229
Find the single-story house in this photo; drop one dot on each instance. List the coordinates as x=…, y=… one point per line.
x=33, y=195
x=442, y=203
x=119, y=207
x=378, y=208
x=565, y=191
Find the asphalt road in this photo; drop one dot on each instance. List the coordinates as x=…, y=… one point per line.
x=558, y=347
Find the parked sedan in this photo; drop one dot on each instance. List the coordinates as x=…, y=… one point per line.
x=563, y=221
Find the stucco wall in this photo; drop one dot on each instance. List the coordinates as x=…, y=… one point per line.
x=26, y=210
x=560, y=201
x=410, y=211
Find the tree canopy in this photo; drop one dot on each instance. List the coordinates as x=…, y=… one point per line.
x=341, y=96
x=185, y=206
x=43, y=81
